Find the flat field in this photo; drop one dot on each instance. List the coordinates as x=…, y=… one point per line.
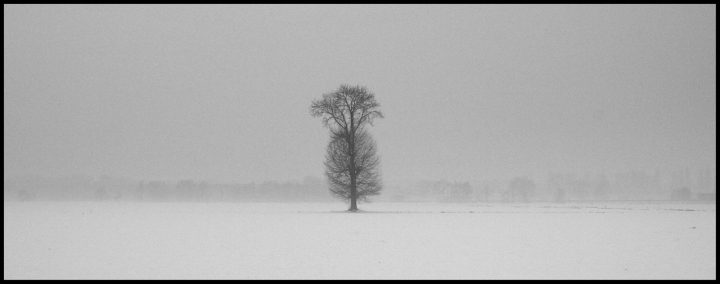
x=116, y=240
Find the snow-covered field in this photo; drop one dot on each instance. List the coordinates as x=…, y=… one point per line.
x=81, y=240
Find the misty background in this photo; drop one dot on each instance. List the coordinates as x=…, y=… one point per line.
x=220, y=93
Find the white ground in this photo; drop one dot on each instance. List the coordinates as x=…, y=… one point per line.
x=389, y=240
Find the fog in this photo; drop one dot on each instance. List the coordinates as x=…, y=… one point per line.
x=515, y=142
x=471, y=93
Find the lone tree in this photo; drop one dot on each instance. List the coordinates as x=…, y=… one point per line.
x=352, y=165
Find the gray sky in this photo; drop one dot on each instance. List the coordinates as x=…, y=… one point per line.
x=468, y=91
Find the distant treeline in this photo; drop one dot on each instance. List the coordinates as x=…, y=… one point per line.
x=561, y=187
x=557, y=187
x=119, y=189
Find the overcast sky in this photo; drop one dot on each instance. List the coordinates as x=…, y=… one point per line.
x=469, y=92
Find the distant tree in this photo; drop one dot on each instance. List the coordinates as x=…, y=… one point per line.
x=520, y=187
x=203, y=190
x=461, y=191
x=682, y=193
x=441, y=190
x=100, y=187
x=602, y=190
x=157, y=190
x=313, y=188
x=560, y=195
x=311, y=181
x=486, y=192
x=579, y=188
x=140, y=190
x=186, y=184
x=465, y=191
x=352, y=165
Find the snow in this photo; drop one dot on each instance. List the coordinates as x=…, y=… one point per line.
x=108, y=240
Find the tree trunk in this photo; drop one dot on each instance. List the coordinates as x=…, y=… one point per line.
x=353, y=190
x=353, y=174
x=353, y=204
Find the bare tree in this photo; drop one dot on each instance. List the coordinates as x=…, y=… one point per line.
x=352, y=165
x=367, y=167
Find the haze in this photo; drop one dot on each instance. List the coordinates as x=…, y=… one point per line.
x=221, y=92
